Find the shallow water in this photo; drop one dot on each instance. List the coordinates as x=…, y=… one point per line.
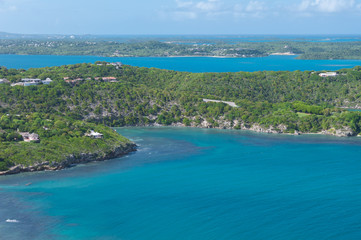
x=190, y=64
x=187, y=183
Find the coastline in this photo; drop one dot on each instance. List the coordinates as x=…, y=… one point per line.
x=121, y=150
x=345, y=131
x=72, y=160
x=150, y=56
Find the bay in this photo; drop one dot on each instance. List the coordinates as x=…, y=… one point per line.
x=189, y=64
x=186, y=183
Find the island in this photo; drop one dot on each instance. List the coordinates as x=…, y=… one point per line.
x=182, y=47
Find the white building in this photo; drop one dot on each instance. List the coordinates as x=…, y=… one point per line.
x=47, y=81
x=94, y=134
x=116, y=64
x=31, y=81
x=3, y=81
x=328, y=74
x=17, y=84
x=34, y=81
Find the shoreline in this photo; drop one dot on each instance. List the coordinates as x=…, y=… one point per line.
x=188, y=56
x=120, y=151
x=72, y=160
x=171, y=56
x=280, y=129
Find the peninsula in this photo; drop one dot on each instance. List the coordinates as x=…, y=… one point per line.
x=54, y=142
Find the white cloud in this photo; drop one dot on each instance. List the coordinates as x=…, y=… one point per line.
x=194, y=9
x=217, y=9
x=255, y=9
x=209, y=6
x=327, y=6
x=255, y=6
x=211, y=9
x=7, y=6
x=182, y=4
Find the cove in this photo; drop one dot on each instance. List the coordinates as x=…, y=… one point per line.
x=186, y=183
x=189, y=64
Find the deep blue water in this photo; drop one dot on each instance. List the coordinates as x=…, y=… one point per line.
x=196, y=184
x=190, y=64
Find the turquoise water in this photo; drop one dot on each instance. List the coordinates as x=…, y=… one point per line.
x=196, y=184
x=190, y=64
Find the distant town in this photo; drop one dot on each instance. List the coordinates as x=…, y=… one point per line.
x=36, y=81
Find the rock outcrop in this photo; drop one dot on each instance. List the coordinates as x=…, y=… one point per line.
x=345, y=131
x=270, y=129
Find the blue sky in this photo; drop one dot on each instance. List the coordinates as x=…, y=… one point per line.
x=181, y=16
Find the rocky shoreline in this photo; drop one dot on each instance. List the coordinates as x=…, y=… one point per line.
x=73, y=160
x=345, y=131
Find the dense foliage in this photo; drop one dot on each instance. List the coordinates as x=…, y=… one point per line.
x=60, y=137
x=62, y=112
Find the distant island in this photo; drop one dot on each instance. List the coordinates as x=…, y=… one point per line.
x=180, y=48
x=49, y=125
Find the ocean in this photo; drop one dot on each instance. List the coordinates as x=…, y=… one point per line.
x=189, y=64
x=188, y=183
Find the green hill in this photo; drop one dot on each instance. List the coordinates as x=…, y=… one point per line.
x=267, y=101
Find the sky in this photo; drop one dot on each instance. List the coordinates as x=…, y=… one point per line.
x=124, y=17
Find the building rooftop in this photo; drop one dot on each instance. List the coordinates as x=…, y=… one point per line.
x=94, y=134
x=328, y=74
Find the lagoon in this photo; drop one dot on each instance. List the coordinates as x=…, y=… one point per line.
x=189, y=64
x=186, y=183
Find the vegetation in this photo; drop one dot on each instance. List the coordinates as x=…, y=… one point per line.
x=62, y=112
x=204, y=47
x=60, y=137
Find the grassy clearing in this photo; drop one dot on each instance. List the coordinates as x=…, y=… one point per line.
x=300, y=114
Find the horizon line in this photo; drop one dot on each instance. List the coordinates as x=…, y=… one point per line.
x=187, y=34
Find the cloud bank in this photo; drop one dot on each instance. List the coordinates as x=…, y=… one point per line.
x=327, y=6
x=211, y=9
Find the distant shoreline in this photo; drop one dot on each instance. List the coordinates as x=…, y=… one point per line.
x=171, y=56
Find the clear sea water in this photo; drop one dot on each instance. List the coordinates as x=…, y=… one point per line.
x=199, y=184
x=190, y=64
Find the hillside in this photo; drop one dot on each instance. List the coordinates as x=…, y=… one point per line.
x=267, y=101
x=55, y=143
